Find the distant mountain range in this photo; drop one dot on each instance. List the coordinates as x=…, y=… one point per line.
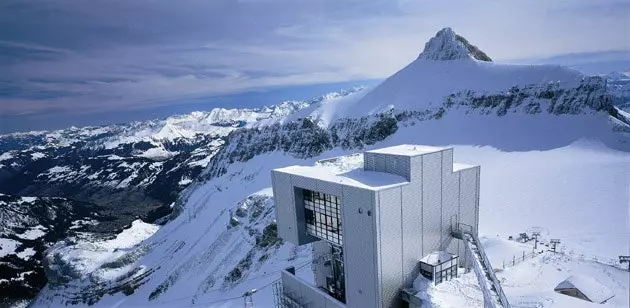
x=106, y=175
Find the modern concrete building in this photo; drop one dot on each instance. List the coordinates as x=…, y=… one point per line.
x=373, y=229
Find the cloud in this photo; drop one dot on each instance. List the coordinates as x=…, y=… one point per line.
x=81, y=57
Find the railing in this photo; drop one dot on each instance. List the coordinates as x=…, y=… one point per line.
x=293, y=292
x=283, y=300
x=483, y=269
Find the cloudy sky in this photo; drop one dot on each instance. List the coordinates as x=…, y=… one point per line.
x=88, y=57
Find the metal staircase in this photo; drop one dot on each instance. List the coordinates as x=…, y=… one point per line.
x=493, y=295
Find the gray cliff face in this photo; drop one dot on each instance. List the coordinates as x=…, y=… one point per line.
x=447, y=45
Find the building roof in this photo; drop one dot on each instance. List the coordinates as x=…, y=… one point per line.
x=593, y=289
x=460, y=166
x=358, y=177
x=408, y=150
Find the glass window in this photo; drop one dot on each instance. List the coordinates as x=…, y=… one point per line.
x=309, y=217
x=323, y=216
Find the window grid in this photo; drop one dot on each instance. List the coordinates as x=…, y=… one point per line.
x=323, y=216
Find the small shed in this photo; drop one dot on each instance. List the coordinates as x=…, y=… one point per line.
x=585, y=288
x=439, y=266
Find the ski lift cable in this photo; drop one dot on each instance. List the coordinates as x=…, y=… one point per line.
x=229, y=299
x=216, y=289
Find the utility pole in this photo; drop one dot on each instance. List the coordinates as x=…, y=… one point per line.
x=247, y=298
x=554, y=242
x=536, y=234
x=625, y=259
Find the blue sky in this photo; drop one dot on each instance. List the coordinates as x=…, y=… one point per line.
x=65, y=61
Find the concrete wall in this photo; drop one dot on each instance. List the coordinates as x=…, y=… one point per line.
x=390, y=246
x=469, y=206
x=431, y=202
x=306, y=294
x=283, y=193
x=360, y=261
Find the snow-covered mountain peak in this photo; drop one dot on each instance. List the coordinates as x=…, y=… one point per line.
x=618, y=76
x=448, y=45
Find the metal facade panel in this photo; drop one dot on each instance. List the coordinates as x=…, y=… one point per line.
x=450, y=199
x=411, y=229
x=285, y=207
x=398, y=165
x=405, y=167
x=304, y=182
x=468, y=197
x=380, y=163
x=415, y=169
x=329, y=188
x=368, y=162
x=447, y=161
x=476, y=227
x=468, y=206
x=390, y=237
x=388, y=163
x=359, y=253
x=431, y=201
x=456, y=247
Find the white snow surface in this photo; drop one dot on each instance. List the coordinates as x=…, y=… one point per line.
x=28, y=199
x=356, y=177
x=329, y=110
x=185, y=181
x=7, y=246
x=408, y=150
x=157, y=153
x=33, y=233
x=86, y=257
x=425, y=83
x=37, y=155
x=59, y=169
x=26, y=254
x=436, y=257
x=6, y=156
x=529, y=284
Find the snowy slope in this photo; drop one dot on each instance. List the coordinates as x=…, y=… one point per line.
x=446, y=68
x=426, y=82
x=29, y=226
x=192, y=255
x=619, y=88
x=550, y=160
